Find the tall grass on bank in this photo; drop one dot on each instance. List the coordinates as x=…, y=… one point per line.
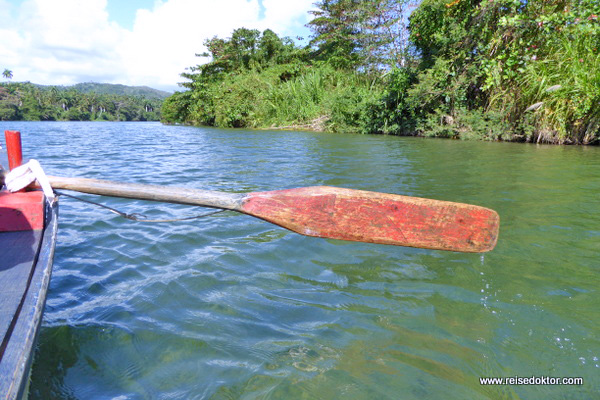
x=298, y=100
x=337, y=96
x=561, y=93
x=270, y=98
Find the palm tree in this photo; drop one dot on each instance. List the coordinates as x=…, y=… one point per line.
x=53, y=95
x=7, y=74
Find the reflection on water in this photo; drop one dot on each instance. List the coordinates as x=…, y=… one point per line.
x=232, y=307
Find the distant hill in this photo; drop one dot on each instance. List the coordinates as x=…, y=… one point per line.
x=25, y=101
x=111, y=88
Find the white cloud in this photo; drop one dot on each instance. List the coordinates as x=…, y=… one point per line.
x=59, y=41
x=283, y=16
x=70, y=41
x=164, y=40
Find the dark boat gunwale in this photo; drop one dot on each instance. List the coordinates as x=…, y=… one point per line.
x=18, y=354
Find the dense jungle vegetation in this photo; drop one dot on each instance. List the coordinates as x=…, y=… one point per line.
x=488, y=69
x=82, y=102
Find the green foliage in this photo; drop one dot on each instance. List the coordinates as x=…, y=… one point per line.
x=25, y=101
x=322, y=91
x=9, y=105
x=465, y=124
x=563, y=75
x=258, y=79
x=246, y=49
x=236, y=104
x=261, y=80
x=235, y=87
x=476, y=69
x=352, y=34
x=120, y=90
x=299, y=99
x=567, y=84
x=336, y=32
x=396, y=112
x=351, y=109
x=483, y=64
x=175, y=109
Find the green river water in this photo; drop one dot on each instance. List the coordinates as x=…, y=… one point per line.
x=231, y=307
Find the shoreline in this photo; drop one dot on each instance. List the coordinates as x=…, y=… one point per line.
x=319, y=125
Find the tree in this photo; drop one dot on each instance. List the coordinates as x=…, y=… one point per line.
x=370, y=34
x=335, y=32
x=7, y=74
x=246, y=49
x=176, y=107
x=25, y=101
x=243, y=46
x=485, y=61
x=269, y=47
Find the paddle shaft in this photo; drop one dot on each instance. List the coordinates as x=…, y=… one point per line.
x=330, y=212
x=167, y=194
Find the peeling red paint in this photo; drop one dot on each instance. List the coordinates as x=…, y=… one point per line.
x=21, y=211
x=13, y=148
x=358, y=215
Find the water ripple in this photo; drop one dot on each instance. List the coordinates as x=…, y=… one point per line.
x=232, y=307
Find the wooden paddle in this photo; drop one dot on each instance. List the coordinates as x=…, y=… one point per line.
x=322, y=211
x=331, y=212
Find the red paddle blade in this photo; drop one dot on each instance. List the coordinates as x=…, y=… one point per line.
x=358, y=215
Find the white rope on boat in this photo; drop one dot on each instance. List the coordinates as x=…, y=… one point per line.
x=22, y=176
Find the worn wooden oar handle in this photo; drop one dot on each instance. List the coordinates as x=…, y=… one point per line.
x=167, y=194
x=331, y=212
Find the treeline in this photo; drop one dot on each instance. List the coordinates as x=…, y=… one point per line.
x=514, y=70
x=29, y=102
x=257, y=79
x=112, y=88
x=493, y=69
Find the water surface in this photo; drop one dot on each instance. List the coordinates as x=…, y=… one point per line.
x=231, y=307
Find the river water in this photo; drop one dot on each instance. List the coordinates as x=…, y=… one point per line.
x=230, y=307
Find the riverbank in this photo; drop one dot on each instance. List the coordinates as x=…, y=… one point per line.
x=321, y=98
x=499, y=71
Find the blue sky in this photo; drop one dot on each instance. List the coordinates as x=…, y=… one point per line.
x=133, y=42
x=123, y=11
